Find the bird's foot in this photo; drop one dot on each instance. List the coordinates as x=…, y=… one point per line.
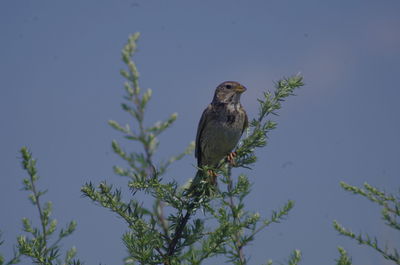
x=211, y=173
x=212, y=176
x=231, y=158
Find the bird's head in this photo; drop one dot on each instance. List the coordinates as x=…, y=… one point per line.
x=228, y=92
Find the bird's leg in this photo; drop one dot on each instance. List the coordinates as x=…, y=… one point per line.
x=231, y=158
x=211, y=173
x=213, y=176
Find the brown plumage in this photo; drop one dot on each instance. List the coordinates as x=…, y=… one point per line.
x=221, y=126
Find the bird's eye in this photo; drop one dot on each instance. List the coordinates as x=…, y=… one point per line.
x=228, y=86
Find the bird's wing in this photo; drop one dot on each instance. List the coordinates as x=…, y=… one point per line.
x=246, y=120
x=203, y=121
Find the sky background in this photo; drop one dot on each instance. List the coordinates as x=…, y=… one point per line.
x=60, y=84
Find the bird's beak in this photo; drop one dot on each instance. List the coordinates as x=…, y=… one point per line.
x=240, y=89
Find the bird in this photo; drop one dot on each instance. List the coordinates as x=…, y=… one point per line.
x=220, y=127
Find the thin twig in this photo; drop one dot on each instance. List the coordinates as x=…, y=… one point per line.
x=161, y=218
x=178, y=233
x=37, y=201
x=238, y=243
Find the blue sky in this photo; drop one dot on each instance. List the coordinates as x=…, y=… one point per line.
x=60, y=83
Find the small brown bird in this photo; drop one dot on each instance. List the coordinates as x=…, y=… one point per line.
x=220, y=127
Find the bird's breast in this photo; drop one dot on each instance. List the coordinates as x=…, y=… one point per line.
x=222, y=134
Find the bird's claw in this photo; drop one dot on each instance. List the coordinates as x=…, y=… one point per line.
x=212, y=176
x=211, y=173
x=231, y=158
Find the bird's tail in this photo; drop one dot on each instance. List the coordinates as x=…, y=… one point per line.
x=203, y=183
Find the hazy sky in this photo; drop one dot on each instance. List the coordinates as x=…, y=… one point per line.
x=60, y=83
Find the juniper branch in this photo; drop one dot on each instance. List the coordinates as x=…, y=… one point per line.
x=390, y=213
x=236, y=219
x=28, y=164
x=38, y=247
x=344, y=259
